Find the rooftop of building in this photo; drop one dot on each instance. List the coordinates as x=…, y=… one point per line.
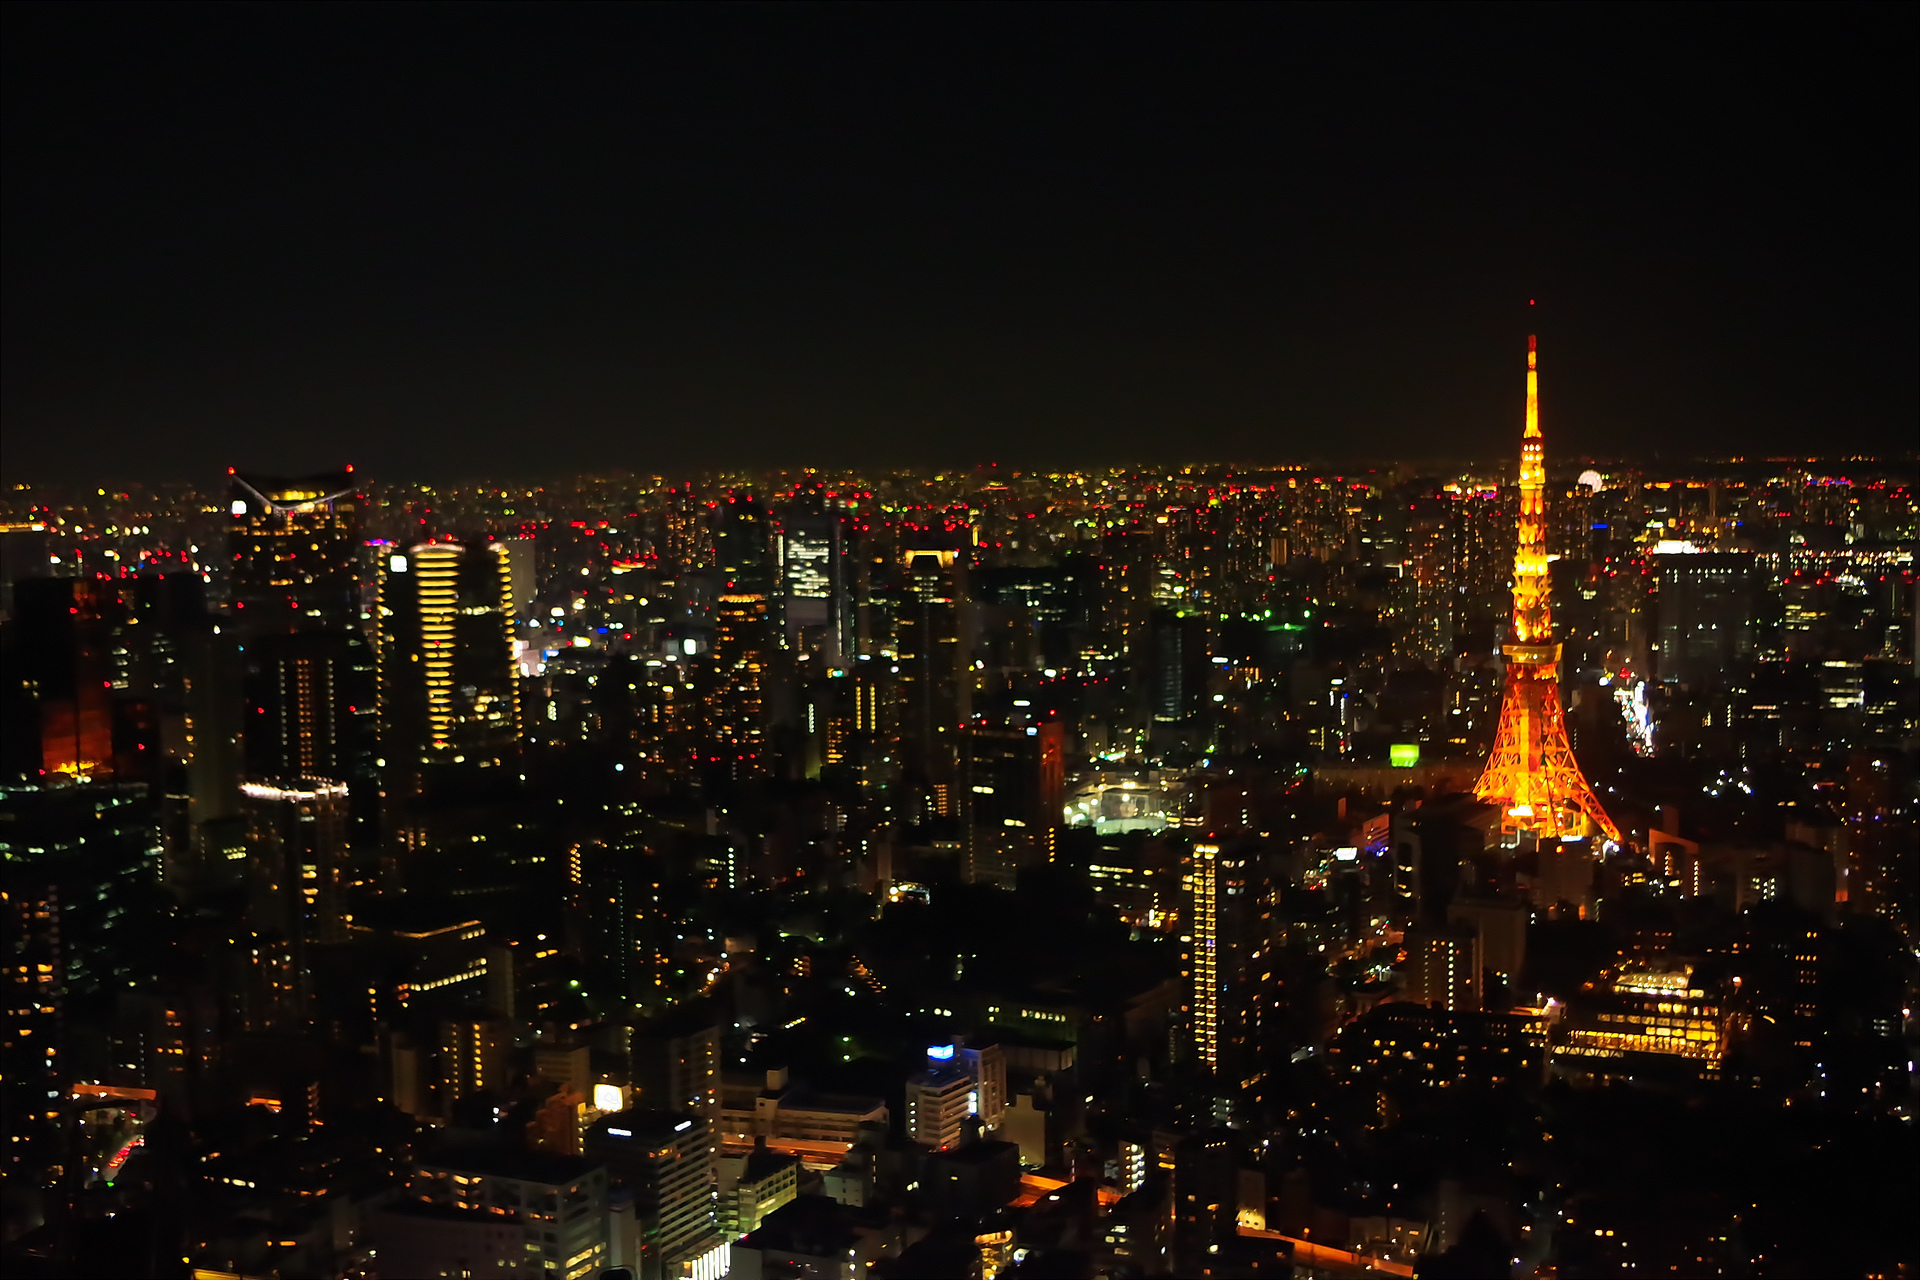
x=939, y=1076
x=985, y=1151
x=642, y=1126
x=761, y=1164
x=448, y=1214
x=818, y=1226
x=520, y=1165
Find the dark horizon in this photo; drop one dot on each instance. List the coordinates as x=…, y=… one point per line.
x=677, y=239
x=1903, y=466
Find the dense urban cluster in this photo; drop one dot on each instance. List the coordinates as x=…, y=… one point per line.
x=978, y=874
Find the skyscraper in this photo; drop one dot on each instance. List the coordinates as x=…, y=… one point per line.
x=742, y=662
x=1531, y=773
x=293, y=543
x=744, y=545
x=60, y=680
x=936, y=683
x=1222, y=902
x=1429, y=590
x=449, y=700
x=448, y=694
x=1706, y=616
x=813, y=576
x=308, y=671
x=297, y=852
x=1011, y=795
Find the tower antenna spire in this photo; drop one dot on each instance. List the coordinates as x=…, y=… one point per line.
x=1531, y=773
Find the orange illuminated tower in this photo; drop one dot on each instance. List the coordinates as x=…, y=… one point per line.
x=1532, y=774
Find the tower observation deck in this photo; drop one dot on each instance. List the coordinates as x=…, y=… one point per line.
x=1531, y=773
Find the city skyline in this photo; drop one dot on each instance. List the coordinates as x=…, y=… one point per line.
x=752, y=865
x=952, y=642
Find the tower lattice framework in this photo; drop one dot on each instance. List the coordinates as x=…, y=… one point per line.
x=1531, y=773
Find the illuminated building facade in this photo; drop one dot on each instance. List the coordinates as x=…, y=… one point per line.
x=1443, y=966
x=1648, y=1008
x=676, y=1065
x=1203, y=955
x=1399, y=1044
x=293, y=543
x=1531, y=773
x=668, y=1160
x=1011, y=784
x=1427, y=579
x=936, y=685
x=475, y=1056
x=938, y=1100
x=742, y=660
x=1706, y=616
x=307, y=671
x=550, y=1210
x=62, y=663
x=296, y=858
x=788, y=1111
x=743, y=545
x=1222, y=903
x=812, y=553
x=446, y=654
x=75, y=864
x=752, y=1186
x=987, y=1064
x=305, y=691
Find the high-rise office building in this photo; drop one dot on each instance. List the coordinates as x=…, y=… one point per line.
x=449, y=697
x=936, y=678
x=1172, y=689
x=742, y=668
x=987, y=1064
x=307, y=673
x=1224, y=895
x=743, y=543
x=297, y=858
x=1126, y=594
x=1011, y=793
x=1482, y=543
x=293, y=544
x=1429, y=590
x=667, y=1160
x=79, y=870
x=300, y=688
x=812, y=553
x=1706, y=616
x=1206, y=984
x=448, y=694
x=1500, y=925
x=60, y=680
x=25, y=552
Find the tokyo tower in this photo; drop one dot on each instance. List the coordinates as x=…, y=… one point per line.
x=1532, y=774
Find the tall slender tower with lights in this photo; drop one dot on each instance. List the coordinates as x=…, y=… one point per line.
x=1532, y=774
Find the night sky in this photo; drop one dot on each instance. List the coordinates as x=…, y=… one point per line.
x=446, y=241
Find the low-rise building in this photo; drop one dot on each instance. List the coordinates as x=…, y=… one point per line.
x=557, y=1204
x=782, y=1111
x=753, y=1185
